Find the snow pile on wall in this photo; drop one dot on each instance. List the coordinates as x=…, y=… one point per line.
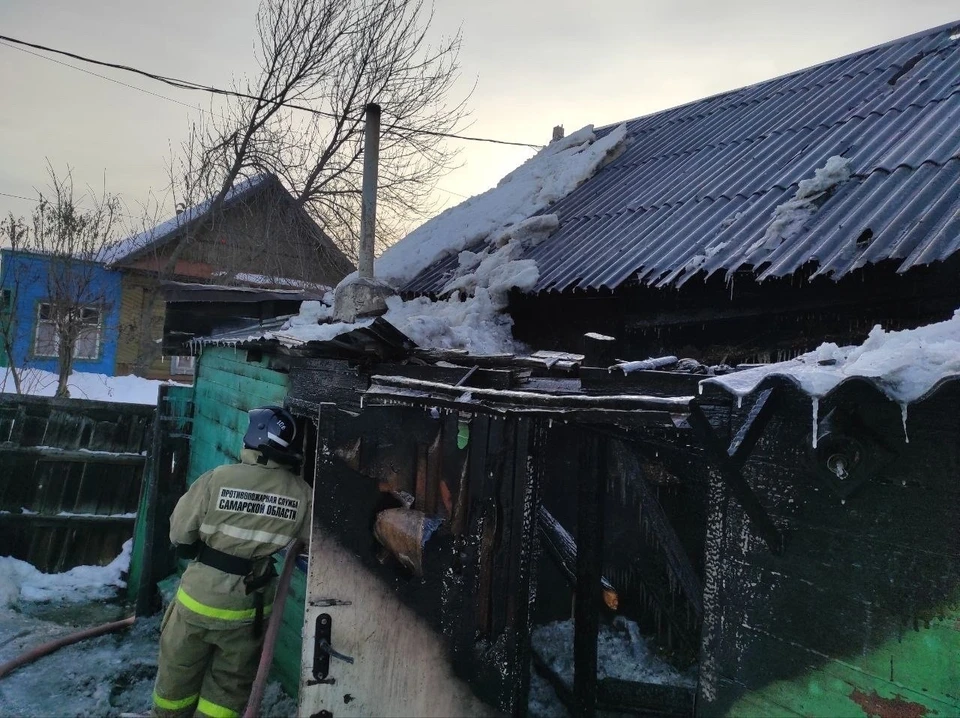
x=551, y=174
x=82, y=385
x=788, y=218
x=905, y=365
x=20, y=581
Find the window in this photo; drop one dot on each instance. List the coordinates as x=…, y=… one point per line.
x=47, y=341
x=182, y=365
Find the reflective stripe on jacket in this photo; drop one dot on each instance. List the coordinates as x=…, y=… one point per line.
x=250, y=510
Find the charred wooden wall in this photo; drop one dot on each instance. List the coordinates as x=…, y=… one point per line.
x=839, y=593
x=70, y=478
x=653, y=531
x=471, y=477
x=740, y=320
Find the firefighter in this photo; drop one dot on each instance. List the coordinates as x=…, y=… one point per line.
x=230, y=523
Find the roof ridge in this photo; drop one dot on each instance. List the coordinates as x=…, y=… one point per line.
x=915, y=36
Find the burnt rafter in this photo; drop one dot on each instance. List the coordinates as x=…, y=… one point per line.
x=731, y=460
x=563, y=549
x=677, y=559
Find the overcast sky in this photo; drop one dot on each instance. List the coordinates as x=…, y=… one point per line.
x=535, y=63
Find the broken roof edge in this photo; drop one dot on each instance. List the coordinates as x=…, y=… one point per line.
x=946, y=27
x=778, y=381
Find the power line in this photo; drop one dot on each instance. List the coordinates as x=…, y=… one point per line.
x=190, y=85
x=16, y=196
x=102, y=77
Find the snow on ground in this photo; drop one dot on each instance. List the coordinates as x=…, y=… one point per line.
x=621, y=653
x=904, y=364
x=102, y=676
x=19, y=580
x=788, y=218
x=82, y=385
x=489, y=233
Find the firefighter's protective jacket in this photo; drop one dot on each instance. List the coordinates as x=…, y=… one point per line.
x=249, y=510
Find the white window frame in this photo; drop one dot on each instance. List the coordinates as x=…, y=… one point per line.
x=53, y=343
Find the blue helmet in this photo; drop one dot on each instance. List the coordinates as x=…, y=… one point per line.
x=272, y=431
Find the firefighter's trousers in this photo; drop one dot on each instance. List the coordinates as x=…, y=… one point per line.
x=203, y=671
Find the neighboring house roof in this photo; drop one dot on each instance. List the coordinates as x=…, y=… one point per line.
x=134, y=247
x=697, y=186
x=137, y=244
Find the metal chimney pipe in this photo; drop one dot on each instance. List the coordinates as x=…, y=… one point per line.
x=368, y=210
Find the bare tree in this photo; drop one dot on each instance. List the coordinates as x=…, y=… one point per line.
x=301, y=119
x=13, y=232
x=321, y=62
x=69, y=238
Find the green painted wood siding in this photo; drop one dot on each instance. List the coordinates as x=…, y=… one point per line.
x=227, y=386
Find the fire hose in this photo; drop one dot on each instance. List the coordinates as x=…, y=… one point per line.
x=273, y=628
x=48, y=648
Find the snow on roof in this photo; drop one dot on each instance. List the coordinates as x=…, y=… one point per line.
x=137, y=242
x=905, y=365
x=489, y=232
x=551, y=174
x=265, y=280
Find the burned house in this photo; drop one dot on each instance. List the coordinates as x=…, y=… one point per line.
x=497, y=529
x=533, y=532
x=724, y=231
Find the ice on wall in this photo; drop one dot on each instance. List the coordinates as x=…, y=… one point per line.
x=20, y=581
x=551, y=174
x=788, y=218
x=904, y=364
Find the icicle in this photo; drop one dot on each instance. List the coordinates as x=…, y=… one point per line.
x=739, y=401
x=903, y=416
x=700, y=388
x=816, y=411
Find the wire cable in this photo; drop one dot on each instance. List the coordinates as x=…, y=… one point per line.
x=102, y=77
x=190, y=85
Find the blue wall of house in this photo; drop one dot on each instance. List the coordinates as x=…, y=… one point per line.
x=25, y=276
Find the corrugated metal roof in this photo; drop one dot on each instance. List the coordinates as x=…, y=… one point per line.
x=374, y=338
x=696, y=186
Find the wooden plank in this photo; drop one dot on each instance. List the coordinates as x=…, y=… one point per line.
x=730, y=471
x=56, y=520
x=49, y=453
x=591, y=487
x=679, y=404
x=673, y=550
x=651, y=382
x=648, y=699
x=525, y=503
